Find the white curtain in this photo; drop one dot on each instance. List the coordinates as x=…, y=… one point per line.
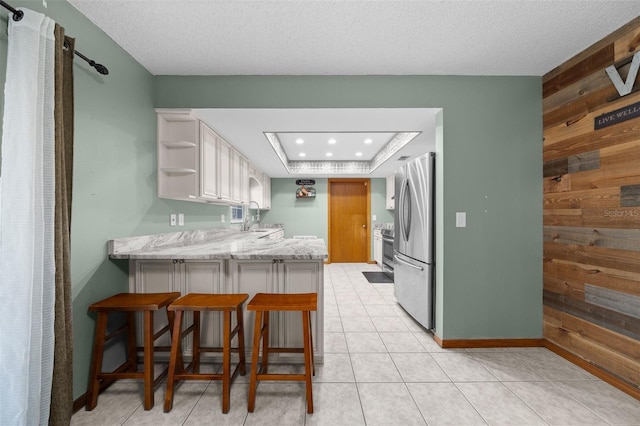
x=27, y=269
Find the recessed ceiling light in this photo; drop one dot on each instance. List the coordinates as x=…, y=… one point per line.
x=329, y=154
x=302, y=154
x=299, y=141
x=332, y=141
x=358, y=154
x=368, y=141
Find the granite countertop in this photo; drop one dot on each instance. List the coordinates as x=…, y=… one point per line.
x=218, y=243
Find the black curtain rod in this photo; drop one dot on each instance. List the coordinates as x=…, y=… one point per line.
x=18, y=14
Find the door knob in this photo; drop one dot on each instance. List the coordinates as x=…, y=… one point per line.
x=364, y=226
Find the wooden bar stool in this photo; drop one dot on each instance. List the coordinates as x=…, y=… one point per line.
x=263, y=303
x=148, y=303
x=194, y=302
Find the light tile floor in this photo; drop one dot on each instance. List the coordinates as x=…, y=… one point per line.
x=381, y=368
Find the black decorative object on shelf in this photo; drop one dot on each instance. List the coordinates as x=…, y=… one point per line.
x=305, y=190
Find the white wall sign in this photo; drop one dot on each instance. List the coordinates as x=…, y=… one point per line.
x=624, y=88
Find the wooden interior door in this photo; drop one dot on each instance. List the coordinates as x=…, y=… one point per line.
x=349, y=206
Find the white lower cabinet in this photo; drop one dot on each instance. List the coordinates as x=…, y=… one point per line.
x=153, y=276
x=251, y=277
x=236, y=276
x=203, y=277
x=301, y=277
x=281, y=276
x=192, y=276
x=377, y=247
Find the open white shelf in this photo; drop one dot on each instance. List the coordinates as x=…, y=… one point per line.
x=178, y=117
x=177, y=171
x=178, y=144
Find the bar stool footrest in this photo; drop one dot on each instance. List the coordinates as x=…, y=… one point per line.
x=280, y=377
x=287, y=350
x=207, y=376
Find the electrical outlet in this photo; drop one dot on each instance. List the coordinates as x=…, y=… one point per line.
x=172, y=219
x=221, y=218
x=180, y=219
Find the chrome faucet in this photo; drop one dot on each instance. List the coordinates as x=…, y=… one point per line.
x=246, y=217
x=258, y=208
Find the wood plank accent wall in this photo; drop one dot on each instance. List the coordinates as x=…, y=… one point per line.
x=592, y=210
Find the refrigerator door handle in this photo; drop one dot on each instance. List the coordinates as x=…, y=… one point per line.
x=404, y=262
x=399, y=210
x=405, y=211
x=409, y=220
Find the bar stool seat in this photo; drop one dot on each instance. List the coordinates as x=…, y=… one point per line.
x=147, y=303
x=197, y=302
x=263, y=303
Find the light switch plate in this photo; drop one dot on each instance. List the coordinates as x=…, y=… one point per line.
x=180, y=219
x=461, y=219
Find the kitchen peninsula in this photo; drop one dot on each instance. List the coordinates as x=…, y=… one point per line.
x=230, y=261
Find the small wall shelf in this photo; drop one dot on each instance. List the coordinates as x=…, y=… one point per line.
x=178, y=144
x=178, y=171
x=178, y=116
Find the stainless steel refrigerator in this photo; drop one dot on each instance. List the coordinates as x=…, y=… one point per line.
x=414, y=264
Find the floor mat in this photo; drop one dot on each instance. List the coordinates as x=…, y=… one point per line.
x=377, y=277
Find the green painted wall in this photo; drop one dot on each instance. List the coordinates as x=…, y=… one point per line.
x=309, y=216
x=489, y=274
x=114, y=193
x=489, y=280
x=306, y=216
x=379, y=202
x=379, y=205
x=439, y=219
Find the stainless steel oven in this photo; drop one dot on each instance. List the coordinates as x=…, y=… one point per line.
x=387, y=251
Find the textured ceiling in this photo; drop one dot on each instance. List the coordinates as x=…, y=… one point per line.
x=328, y=37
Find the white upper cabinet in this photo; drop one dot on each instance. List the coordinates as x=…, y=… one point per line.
x=259, y=188
x=225, y=169
x=216, y=165
x=244, y=188
x=197, y=164
x=210, y=157
x=240, y=179
x=266, y=192
x=178, y=155
x=255, y=187
x=391, y=189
